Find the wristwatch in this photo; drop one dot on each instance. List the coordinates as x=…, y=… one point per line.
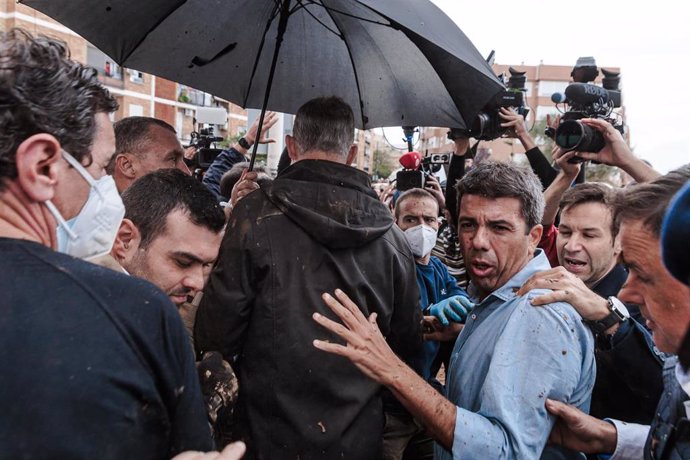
x=618, y=314
x=243, y=143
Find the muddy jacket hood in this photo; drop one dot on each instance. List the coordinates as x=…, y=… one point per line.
x=338, y=208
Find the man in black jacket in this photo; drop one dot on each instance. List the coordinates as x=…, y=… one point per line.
x=317, y=227
x=95, y=364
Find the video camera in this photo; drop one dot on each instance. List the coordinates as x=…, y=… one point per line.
x=486, y=126
x=417, y=169
x=586, y=100
x=204, y=139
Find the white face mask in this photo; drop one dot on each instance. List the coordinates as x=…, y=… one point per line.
x=422, y=239
x=92, y=232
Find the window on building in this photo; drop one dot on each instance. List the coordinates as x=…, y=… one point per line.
x=136, y=110
x=547, y=88
x=102, y=63
x=135, y=76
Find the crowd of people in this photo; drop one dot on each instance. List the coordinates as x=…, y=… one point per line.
x=520, y=313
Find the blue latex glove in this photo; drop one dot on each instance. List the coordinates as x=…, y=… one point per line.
x=455, y=308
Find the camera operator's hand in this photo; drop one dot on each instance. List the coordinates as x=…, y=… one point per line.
x=189, y=152
x=462, y=145
x=244, y=186
x=552, y=122
x=561, y=157
x=516, y=123
x=616, y=152
x=431, y=185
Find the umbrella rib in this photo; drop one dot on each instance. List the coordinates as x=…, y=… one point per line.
x=258, y=54
x=354, y=68
x=304, y=7
x=390, y=24
x=159, y=22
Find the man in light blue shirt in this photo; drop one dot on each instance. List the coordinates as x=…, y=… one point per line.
x=510, y=356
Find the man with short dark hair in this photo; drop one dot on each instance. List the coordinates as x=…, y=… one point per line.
x=144, y=145
x=171, y=232
x=318, y=225
x=95, y=364
x=509, y=356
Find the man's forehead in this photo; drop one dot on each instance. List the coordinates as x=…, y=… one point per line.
x=182, y=235
x=638, y=242
x=501, y=208
x=588, y=209
x=417, y=205
x=158, y=142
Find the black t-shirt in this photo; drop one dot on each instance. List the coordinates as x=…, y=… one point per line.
x=93, y=363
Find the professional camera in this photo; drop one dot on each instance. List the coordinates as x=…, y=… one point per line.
x=586, y=100
x=486, y=125
x=204, y=142
x=417, y=169
x=204, y=139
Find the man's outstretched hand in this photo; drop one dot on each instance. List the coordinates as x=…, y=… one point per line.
x=364, y=345
x=580, y=432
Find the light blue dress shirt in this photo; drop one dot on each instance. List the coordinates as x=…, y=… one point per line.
x=508, y=359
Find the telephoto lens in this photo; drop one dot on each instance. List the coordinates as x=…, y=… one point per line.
x=574, y=135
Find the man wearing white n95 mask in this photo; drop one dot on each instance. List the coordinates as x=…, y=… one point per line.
x=416, y=214
x=91, y=233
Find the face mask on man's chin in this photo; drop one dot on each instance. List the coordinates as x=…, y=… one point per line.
x=422, y=240
x=92, y=232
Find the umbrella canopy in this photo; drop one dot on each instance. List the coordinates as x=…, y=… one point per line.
x=396, y=62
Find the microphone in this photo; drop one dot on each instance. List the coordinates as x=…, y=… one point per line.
x=557, y=98
x=411, y=160
x=586, y=94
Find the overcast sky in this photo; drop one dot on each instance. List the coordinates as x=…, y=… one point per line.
x=649, y=41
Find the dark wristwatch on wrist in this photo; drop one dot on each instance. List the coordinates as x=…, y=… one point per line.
x=244, y=144
x=618, y=314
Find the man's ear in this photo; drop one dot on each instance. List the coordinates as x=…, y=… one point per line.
x=617, y=248
x=36, y=161
x=291, y=147
x=126, y=242
x=351, y=155
x=535, y=236
x=124, y=163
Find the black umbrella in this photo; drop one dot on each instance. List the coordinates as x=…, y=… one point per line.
x=396, y=62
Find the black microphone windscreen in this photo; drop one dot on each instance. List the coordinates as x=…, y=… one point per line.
x=586, y=94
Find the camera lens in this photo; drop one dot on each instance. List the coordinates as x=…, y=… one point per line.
x=573, y=135
x=480, y=124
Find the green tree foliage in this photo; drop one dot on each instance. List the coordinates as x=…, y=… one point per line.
x=382, y=166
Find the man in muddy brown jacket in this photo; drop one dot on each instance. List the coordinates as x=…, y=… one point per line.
x=317, y=227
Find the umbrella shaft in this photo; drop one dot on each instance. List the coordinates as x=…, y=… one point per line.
x=282, y=26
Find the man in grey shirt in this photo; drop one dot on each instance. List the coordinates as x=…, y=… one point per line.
x=510, y=356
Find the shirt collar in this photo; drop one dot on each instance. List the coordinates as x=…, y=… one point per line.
x=506, y=292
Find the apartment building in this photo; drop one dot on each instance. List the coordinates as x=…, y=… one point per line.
x=138, y=93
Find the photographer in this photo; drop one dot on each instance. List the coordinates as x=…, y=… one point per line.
x=237, y=153
x=538, y=162
x=617, y=153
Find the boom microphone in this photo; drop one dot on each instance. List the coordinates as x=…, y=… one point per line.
x=411, y=160
x=586, y=94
